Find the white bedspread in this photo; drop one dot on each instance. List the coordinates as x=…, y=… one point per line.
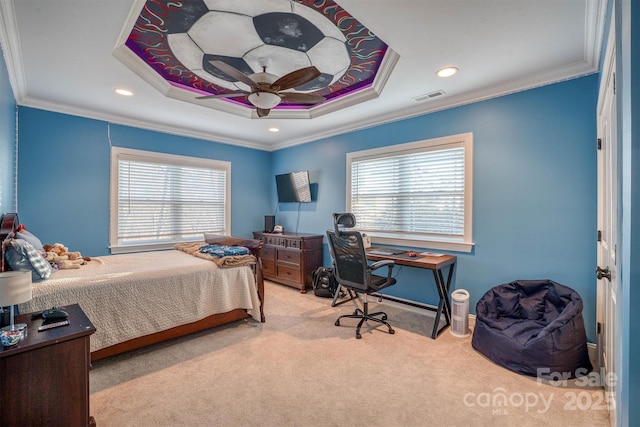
x=132, y=295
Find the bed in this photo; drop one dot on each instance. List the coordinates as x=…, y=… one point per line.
x=139, y=299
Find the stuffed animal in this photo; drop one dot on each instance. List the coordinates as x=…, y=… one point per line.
x=59, y=257
x=57, y=248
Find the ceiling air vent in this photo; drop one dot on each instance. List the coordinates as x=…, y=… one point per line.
x=428, y=96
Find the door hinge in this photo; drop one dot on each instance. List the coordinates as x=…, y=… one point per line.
x=599, y=236
x=599, y=328
x=599, y=143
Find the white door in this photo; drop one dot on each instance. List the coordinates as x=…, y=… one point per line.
x=606, y=270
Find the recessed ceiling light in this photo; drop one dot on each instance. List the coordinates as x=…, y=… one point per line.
x=447, y=71
x=124, y=92
x=274, y=130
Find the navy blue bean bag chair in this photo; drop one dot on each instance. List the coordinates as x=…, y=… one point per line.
x=533, y=327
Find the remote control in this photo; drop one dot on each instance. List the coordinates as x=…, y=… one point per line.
x=52, y=325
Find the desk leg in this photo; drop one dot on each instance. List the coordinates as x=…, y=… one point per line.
x=444, y=304
x=447, y=290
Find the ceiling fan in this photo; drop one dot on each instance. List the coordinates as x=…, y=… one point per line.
x=267, y=89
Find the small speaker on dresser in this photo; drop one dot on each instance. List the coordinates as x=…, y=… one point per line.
x=269, y=223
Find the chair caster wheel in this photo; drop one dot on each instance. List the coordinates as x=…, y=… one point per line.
x=392, y=331
x=358, y=336
x=337, y=323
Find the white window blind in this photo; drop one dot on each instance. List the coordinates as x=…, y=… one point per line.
x=413, y=192
x=163, y=199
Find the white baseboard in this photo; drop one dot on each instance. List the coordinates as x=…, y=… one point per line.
x=402, y=305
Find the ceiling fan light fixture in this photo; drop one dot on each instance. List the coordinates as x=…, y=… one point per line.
x=263, y=78
x=446, y=71
x=264, y=100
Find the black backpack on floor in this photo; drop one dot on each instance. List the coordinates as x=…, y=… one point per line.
x=324, y=282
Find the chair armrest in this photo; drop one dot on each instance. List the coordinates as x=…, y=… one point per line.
x=383, y=263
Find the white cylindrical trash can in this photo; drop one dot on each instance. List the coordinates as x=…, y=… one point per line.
x=460, y=313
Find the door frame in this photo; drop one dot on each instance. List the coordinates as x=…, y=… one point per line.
x=607, y=318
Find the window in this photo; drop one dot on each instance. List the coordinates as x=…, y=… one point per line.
x=416, y=194
x=160, y=199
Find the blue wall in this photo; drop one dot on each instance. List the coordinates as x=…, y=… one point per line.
x=535, y=188
x=628, y=343
x=534, y=184
x=64, y=166
x=7, y=143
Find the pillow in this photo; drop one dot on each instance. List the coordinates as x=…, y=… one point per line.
x=21, y=255
x=32, y=239
x=223, y=250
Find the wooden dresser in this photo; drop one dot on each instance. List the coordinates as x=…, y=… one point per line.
x=290, y=258
x=44, y=378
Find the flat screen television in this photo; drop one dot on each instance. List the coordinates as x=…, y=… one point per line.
x=293, y=187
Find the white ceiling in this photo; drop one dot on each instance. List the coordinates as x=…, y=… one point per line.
x=59, y=56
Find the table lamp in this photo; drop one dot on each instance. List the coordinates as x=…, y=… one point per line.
x=15, y=288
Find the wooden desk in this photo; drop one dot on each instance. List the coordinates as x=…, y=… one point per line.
x=44, y=379
x=436, y=264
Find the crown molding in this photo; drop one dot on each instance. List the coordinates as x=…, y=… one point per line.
x=595, y=20
x=570, y=72
x=137, y=123
x=11, y=49
x=566, y=73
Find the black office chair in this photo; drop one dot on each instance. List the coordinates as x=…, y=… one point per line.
x=352, y=270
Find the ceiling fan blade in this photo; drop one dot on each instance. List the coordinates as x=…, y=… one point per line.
x=301, y=98
x=296, y=78
x=262, y=112
x=234, y=73
x=222, y=95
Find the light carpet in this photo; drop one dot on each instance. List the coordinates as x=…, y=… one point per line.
x=299, y=369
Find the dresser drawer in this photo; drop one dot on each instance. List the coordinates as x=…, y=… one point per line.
x=276, y=240
x=291, y=274
x=268, y=268
x=291, y=256
x=294, y=243
x=268, y=253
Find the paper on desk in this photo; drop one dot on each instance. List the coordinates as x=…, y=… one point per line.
x=431, y=254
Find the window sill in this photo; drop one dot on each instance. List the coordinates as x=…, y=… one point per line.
x=427, y=244
x=126, y=249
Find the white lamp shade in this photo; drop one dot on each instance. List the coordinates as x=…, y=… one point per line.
x=15, y=287
x=264, y=100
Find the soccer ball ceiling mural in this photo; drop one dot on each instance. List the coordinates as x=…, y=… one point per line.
x=244, y=53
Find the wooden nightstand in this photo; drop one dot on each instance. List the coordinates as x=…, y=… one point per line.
x=44, y=378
